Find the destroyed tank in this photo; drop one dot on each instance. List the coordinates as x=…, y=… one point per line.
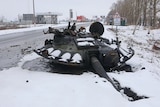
x=74, y=48
x=83, y=49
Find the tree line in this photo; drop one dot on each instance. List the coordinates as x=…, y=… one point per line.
x=142, y=12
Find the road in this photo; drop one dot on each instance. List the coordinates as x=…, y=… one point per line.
x=14, y=46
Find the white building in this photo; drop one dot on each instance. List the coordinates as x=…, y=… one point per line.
x=41, y=18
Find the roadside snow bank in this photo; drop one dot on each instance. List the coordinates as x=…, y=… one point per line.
x=38, y=27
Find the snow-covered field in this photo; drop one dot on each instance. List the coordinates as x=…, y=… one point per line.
x=21, y=87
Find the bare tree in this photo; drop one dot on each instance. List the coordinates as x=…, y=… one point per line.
x=144, y=10
x=139, y=13
x=156, y=4
x=144, y=20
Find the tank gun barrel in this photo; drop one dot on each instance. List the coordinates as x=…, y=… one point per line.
x=101, y=71
x=123, y=90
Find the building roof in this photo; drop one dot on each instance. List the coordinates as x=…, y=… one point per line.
x=49, y=14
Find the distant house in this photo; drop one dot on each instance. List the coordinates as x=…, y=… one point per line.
x=81, y=18
x=47, y=18
x=26, y=19
x=41, y=18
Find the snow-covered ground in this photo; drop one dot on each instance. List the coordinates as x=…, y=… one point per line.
x=21, y=87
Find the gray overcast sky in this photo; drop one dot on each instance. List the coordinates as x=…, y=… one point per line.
x=10, y=9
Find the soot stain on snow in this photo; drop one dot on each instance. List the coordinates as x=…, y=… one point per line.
x=132, y=96
x=27, y=81
x=66, y=70
x=42, y=64
x=143, y=68
x=39, y=64
x=14, y=46
x=26, y=50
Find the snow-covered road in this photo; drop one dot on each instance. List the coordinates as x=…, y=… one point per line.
x=15, y=46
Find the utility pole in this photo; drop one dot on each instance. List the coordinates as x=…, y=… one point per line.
x=70, y=14
x=34, y=16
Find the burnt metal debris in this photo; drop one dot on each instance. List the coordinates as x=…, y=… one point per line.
x=79, y=48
